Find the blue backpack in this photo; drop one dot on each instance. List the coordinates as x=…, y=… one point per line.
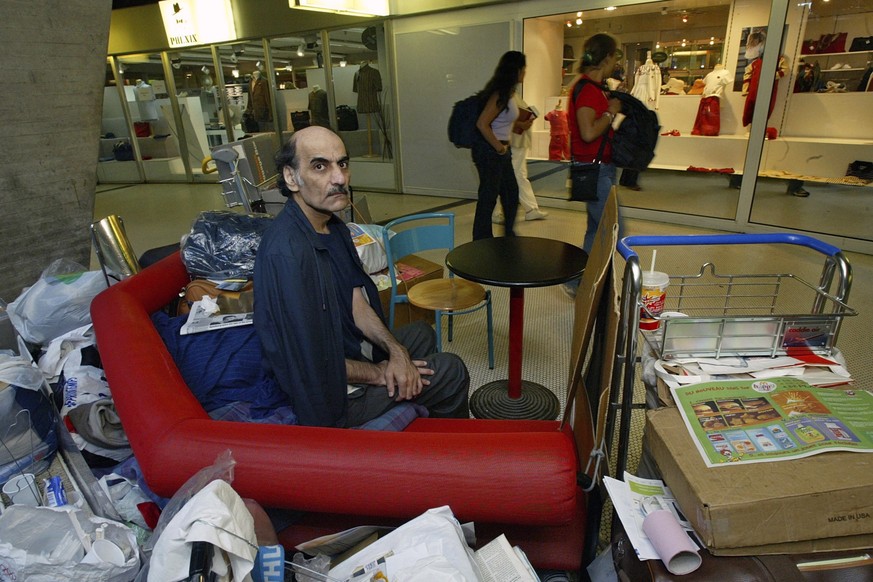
x=462, y=122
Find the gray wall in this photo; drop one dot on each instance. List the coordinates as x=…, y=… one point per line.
x=52, y=66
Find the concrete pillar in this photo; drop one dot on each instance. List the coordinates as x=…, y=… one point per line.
x=52, y=71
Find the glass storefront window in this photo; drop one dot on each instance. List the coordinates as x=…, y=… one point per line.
x=805, y=180
x=116, y=162
x=364, y=109
x=148, y=100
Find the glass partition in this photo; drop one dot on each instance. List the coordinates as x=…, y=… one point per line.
x=363, y=112
x=669, y=53
x=812, y=173
x=116, y=156
x=148, y=100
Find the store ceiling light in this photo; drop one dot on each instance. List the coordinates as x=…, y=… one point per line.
x=300, y=50
x=235, y=73
x=343, y=62
x=610, y=8
x=578, y=21
x=578, y=14
x=569, y=24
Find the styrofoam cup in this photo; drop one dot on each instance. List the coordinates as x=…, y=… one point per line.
x=22, y=490
x=653, y=295
x=104, y=551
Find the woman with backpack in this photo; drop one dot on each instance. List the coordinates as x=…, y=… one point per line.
x=492, y=154
x=591, y=114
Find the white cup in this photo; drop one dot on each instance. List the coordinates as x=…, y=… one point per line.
x=22, y=490
x=104, y=551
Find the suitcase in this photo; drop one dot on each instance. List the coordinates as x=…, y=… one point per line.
x=346, y=118
x=772, y=568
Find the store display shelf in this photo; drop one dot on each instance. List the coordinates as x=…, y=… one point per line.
x=835, y=54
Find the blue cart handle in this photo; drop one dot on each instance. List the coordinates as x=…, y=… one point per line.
x=625, y=244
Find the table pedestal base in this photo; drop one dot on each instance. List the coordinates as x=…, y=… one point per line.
x=536, y=402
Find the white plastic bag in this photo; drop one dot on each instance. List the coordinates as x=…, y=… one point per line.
x=368, y=243
x=41, y=544
x=59, y=302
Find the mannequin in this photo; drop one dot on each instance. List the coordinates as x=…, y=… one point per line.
x=367, y=84
x=708, y=120
x=318, y=109
x=207, y=81
x=752, y=76
x=145, y=101
x=259, y=100
x=559, y=132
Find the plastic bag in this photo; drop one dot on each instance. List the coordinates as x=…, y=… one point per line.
x=368, y=243
x=221, y=469
x=222, y=244
x=59, y=302
x=27, y=420
x=41, y=544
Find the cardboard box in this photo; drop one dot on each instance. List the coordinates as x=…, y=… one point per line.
x=404, y=312
x=810, y=504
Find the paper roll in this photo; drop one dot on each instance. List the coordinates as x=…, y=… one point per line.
x=673, y=545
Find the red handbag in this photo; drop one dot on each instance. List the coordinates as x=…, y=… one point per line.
x=833, y=43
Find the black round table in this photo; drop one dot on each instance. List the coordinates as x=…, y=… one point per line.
x=516, y=262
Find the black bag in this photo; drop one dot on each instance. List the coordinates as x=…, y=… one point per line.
x=583, y=181
x=346, y=118
x=249, y=123
x=299, y=120
x=860, y=169
x=123, y=151
x=633, y=143
x=861, y=43
x=462, y=122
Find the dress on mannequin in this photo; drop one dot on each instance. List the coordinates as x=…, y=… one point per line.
x=145, y=101
x=708, y=120
x=367, y=84
x=259, y=99
x=318, y=109
x=559, y=133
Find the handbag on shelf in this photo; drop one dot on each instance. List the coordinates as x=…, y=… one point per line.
x=585, y=175
x=861, y=43
x=860, y=169
x=832, y=43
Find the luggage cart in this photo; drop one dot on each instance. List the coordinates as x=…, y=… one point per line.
x=245, y=171
x=725, y=315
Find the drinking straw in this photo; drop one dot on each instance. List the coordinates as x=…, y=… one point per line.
x=654, y=255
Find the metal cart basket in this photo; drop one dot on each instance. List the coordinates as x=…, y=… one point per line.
x=726, y=314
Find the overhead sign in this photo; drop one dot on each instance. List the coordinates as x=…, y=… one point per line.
x=195, y=22
x=357, y=7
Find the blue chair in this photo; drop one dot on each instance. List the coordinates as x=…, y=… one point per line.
x=446, y=296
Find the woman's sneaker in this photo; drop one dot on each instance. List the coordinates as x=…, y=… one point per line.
x=535, y=214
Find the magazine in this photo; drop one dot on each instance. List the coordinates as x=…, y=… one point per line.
x=203, y=317
x=775, y=419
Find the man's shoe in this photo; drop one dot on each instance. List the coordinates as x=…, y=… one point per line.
x=535, y=214
x=497, y=219
x=800, y=193
x=635, y=187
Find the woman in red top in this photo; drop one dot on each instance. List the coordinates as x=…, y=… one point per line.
x=591, y=115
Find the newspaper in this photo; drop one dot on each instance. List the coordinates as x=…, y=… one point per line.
x=500, y=562
x=204, y=316
x=632, y=499
x=776, y=419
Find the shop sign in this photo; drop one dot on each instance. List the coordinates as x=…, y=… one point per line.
x=659, y=57
x=196, y=22
x=356, y=7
